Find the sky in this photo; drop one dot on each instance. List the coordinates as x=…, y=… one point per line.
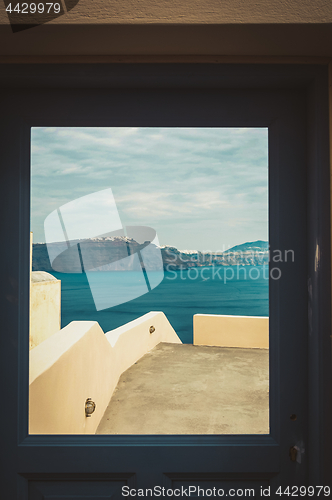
x=199, y=188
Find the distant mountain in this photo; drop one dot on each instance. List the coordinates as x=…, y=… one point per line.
x=256, y=246
x=109, y=252
x=248, y=254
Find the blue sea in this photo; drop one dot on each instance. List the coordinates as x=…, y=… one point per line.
x=234, y=290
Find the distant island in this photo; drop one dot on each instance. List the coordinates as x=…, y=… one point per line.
x=101, y=251
x=247, y=254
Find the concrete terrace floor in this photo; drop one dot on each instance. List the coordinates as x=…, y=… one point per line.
x=187, y=389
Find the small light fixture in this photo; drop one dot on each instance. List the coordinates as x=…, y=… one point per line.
x=90, y=407
x=152, y=329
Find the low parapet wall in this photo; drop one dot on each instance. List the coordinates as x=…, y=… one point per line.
x=81, y=362
x=231, y=331
x=132, y=340
x=45, y=306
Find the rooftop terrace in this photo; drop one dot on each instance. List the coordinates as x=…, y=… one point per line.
x=188, y=389
x=140, y=378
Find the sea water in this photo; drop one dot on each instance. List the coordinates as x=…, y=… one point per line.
x=233, y=290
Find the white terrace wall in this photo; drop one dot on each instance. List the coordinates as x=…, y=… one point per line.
x=136, y=334
x=45, y=306
x=80, y=362
x=231, y=331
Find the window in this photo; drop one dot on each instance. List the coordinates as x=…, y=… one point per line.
x=292, y=103
x=204, y=194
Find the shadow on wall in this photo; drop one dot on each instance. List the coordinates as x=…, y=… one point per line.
x=81, y=362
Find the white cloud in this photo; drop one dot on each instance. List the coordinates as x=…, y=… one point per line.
x=166, y=177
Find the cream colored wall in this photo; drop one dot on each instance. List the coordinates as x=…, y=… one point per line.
x=69, y=367
x=136, y=335
x=81, y=362
x=45, y=307
x=231, y=331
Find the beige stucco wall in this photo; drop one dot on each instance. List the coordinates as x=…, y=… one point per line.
x=69, y=367
x=195, y=12
x=81, y=362
x=45, y=307
x=263, y=27
x=136, y=335
x=231, y=331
